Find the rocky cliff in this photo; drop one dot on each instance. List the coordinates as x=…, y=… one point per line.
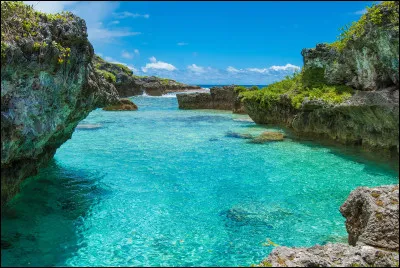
x=48, y=85
x=128, y=84
x=219, y=98
x=372, y=221
x=347, y=91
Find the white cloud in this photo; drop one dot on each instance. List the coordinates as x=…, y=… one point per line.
x=133, y=69
x=196, y=69
x=115, y=22
x=93, y=12
x=108, y=35
x=257, y=70
x=136, y=51
x=158, y=65
x=182, y=44
x=126, y=14
x=232, y=69
x=127, y=55
x=50, y=6
x=153, y=59
x=286, y=67
x=361, y=12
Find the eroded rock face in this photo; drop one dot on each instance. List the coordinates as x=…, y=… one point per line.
x=372, y=222
x=372, y=217
x=331, y=255
x=43, y=98
x=219, y=98
x=122, y=105
x=128, y=84
x=368, y=61
x=370, y=119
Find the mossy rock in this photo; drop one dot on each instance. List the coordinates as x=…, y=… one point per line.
x=268, y=136
x=122, y=105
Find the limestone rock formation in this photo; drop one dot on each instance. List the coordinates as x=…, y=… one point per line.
x=268, y=136
x=122, y=105
x=348, y=90
x=372, y=217
x=331, y=255
x=219, y=98
x=372, y=222
x=48, y=85
x=128, y=84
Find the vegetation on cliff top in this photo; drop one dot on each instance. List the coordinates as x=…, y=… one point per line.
x=110, y=71
x=20, y=23
x=385, y=14
x=309, y=83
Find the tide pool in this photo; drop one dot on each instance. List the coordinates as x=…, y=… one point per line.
x=167, y=187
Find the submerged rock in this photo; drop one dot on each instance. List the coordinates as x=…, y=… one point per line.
x=122, y=105
x=48, y=85
x=5, y=244
x=240, y=217
x=268, y=136
x=331, y=255
x=255, y=215
x=372, y=217
x=232, y=134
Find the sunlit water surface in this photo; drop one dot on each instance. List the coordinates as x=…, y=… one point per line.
x=166, y=187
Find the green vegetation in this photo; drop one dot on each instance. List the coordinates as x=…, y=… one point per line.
x=309, y=83
x=3, y=50
x=19, y=20
x=110, y=77
x=139, y=76
x=124, y=68
x=240, y=89
x=383, y=14
x=165, y=81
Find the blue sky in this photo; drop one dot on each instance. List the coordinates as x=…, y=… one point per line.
x=210, y=42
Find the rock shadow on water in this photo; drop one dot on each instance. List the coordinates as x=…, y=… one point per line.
x=232, y=134
x=202, y=118
x=376, y=163
x=88, y=126
x=39, y=226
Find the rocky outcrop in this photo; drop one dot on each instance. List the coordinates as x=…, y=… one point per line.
x=48, y=85
x=122, y=105
x=370, y=119
x=372, y=217
x=219, y=98
x=190, y=101
x=367, y=59
x=331, y=255
x=268, y=136
x=128, y=84
x=372, y=221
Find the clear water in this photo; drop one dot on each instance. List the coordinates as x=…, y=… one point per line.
x=166, y=187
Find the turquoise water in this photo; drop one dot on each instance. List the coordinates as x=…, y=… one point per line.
x=166, y=187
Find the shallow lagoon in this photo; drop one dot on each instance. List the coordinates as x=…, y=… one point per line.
x=166, y=187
